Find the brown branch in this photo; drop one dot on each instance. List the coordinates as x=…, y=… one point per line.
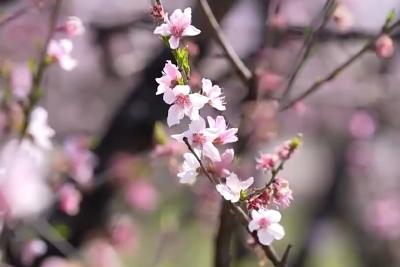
x=338, y=70
x=308, y=44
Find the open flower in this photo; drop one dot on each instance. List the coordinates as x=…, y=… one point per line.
x=222, y=168
x=171, y=75
x=189, y=171
x=224, y=135
x=201, y=138
x=183, y=103
x=39, y=129
x=177, y=26
x=233, y=187
x=60, y=51
x=266, y=223
x=282, y=194
x=214, y=94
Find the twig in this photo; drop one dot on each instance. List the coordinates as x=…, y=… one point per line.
x=285, y=256
x=333, y=74
x=35, y=92
x=308, y=45
x=244, y=73
x=15, y=15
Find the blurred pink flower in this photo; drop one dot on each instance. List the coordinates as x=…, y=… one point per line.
x=70, y=199
x=124, y=234
x=169, y=79
x=100, y=253
x=142, y=195
x=269, y=81
x=39, y=129
x=21, y=81
x=177, y=26
x=384, y=46
x=60, y=51
x=31, y=250
x=278, y=21
x=362, y=125
x=283, y=151
x=73, y=26
x=266, y=161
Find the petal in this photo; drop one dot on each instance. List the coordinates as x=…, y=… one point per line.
x=175, y=114
x=68, y=63
x=256, y=215
x=198, y=100
x=191, y=160
x=224, y=191
x=233, y=182
x=211, y=151
x=276, y=231
x=206, y=85
x=181, y=89
x=174, y=42
x=169, y=96
x=187, y=177
x=253, y=225
x=247, y=183
x=197, y=125
x=177, y=17
x=273, y=216
x=220, y=123
x=218, y=103
x=161, y=88
x=264, y=237
x=163, y=30
x=211, y=122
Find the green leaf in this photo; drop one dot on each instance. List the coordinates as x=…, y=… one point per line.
x=159, y=134
x=182, y=58
x=390, y=17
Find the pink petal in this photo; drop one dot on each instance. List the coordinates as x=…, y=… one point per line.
x=175, y=114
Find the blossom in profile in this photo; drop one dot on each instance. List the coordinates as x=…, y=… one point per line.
x=384, y=46
x=169, y=79
x=224, y=135
x=266, y=223
x=266, y=161
x=183, y=103
x=232, y=188
x=177, y=26
x=39, y=129
x=214, y=94
x=190, y=169
x=60, y=52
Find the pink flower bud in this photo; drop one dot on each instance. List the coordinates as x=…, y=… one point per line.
x=342, y=17
x=73, y=27
x=384, y=47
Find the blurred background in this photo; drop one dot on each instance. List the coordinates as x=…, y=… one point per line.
x=133, y=212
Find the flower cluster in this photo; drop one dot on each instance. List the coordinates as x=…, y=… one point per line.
x=206, y=137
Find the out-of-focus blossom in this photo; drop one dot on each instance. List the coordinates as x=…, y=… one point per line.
x=189, y=170
x=21, y=81
x=123, y=166
x=193, y=50
x=266, y=161
x=214, y=94
x=142, y=195
x=342, y=17
x=31, y=250
x=223, y=134
x=23, y=170
x=169, y=79
x=266, y=223
x=60, y=52
x=284, y=151
x=233, y=187
x=278, y=21
x=222, y=168
x=38, y=128
x=55, y=262
x=81, y=160
x=100, y=253
x=183, y=103
x=177, y=26
x=282, y=194
x=171, y=148
x=124, y=235
x=73, y=26
x=269, y=81
x=201, y=138
x=384, y=46
x=362, y=125
x=70, y=199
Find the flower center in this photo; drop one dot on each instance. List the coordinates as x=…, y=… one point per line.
x=177, y=31
x=198, y=139
x=182, y=100
x=264, y=223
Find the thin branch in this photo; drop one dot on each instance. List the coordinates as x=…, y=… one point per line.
x=244, y=73
x=338, y=70
x=309, y=44
x=285, y=256
x=20, y=12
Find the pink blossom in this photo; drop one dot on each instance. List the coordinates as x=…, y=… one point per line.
x=384, y=46
x=31, y=250
x=201, y=138
x=100, y=253
x=269, y=81
x=266, y=223
x=183, y=103
x=73, y=27
x=284, y=151
x=362, y=125
x=170, y=78
x=342, y=17
x=282, y=194
x=124, y=233
x=55, y=262
x=142, y=195
x=233, y=187
x=60, y=51
x=223, y=134
x=214, y=94
x=189, y=170
x=266, y=161
x=177, y=26
x=157, y=12
x=38, y=128
x=278, y=21
x=222, y=168
x=70, y=199
x=21, y=81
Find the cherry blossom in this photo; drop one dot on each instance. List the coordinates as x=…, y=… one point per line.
x=201, y=138
x=214, y=94
x=183, y=103
x=224, y=135
x=233, y=187
x=282, y=194
x=39, y=129
x=70, y=199
x=60, y=51
x=342, y=17
x=384, y=46
x=190, y=169
x=266, y=223
x=73, y=26
x=31, y=250
x=142, y=195
x=170, y=78
x=177, y=26
x=222, y=168
x=266, y=161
